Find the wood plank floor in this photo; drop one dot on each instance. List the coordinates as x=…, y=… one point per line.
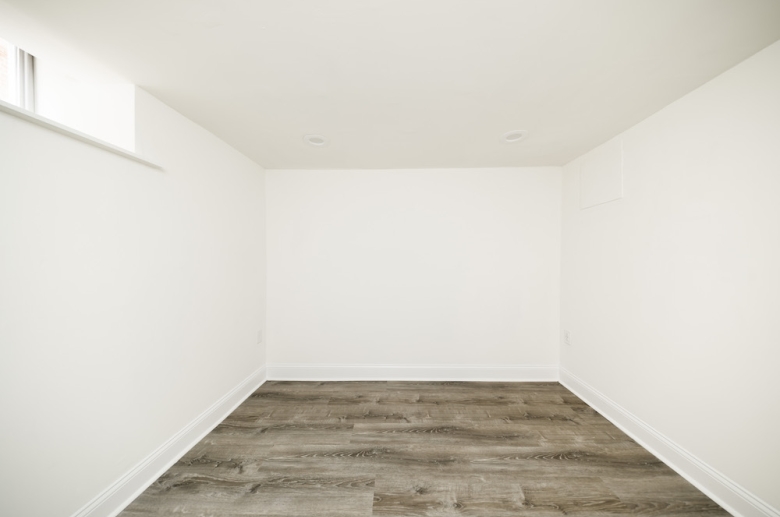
x=357, y=449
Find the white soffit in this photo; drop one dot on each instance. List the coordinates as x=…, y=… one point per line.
x=601, y=174
x=410, y=83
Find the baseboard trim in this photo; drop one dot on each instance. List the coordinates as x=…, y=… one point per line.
x=123, y=491
x=420, y=372
x=731, y=496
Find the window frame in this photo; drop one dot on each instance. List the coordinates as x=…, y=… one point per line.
x=21, y=76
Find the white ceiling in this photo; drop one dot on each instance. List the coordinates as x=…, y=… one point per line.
x=414, y=83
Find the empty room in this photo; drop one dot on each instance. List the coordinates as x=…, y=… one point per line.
x=354, y=258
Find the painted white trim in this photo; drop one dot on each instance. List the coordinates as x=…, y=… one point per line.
x=415, y=372
x=123, y=491
x=38, y=120
x=731, y=496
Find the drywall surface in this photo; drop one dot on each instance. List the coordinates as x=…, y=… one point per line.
x=414, y=267
x=130, y=300
x=672, y=294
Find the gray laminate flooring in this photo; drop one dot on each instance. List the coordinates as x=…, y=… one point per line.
x=358, y=449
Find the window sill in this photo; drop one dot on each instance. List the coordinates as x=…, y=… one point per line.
x=29, y=116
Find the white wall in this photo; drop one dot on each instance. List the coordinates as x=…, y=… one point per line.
x=413, y=267
x=130, y=300
x=672, y=294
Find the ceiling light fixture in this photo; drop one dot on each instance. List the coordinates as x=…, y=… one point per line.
x=511, y=137
x=316, y=140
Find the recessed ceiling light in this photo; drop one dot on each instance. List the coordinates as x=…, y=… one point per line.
x=511, y=137
x=316, y=140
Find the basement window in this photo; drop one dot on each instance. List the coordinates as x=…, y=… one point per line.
x=69, y=101
x=16, y=76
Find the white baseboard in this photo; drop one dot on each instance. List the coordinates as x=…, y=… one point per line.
x=421, y=372
x=732, y=497
x=122, y=492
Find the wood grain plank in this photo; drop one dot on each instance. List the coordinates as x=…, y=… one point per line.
x=357, y=449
